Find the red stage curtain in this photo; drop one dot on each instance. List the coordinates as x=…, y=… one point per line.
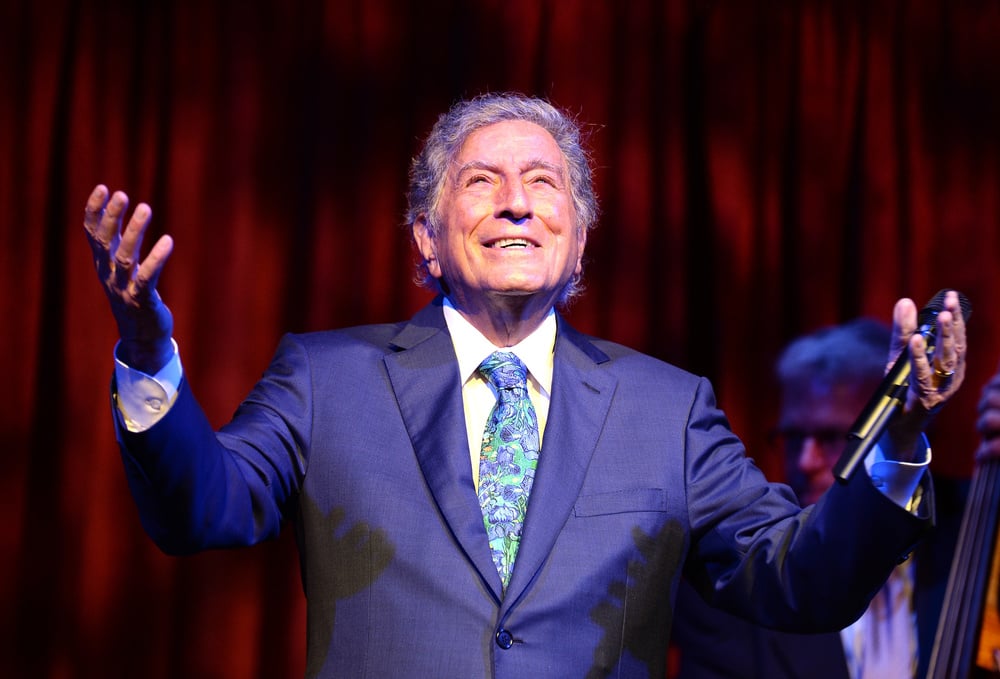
x=765, y=169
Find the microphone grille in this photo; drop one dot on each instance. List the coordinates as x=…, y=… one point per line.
x=930, y=312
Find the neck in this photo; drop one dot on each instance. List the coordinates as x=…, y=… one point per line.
x=507, y=319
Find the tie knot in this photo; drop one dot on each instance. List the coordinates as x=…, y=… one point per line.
x=504, y=370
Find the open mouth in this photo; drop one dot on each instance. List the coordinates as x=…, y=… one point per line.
x=510, y=243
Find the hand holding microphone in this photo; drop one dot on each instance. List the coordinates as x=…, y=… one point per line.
x=928, y=370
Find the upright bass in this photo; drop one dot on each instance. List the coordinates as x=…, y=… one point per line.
x=967, y=644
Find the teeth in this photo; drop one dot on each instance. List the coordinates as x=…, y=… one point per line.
x=511, y=243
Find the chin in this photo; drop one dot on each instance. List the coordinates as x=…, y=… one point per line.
x=517, y=290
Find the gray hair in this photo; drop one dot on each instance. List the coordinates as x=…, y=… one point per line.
x=429, y=168
x=855, y=352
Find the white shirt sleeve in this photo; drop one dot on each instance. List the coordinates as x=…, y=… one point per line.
x=144, y=399
x=898, y=481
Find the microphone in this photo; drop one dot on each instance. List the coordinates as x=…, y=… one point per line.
x=891, y=393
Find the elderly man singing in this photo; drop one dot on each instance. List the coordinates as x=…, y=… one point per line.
x=520, y=499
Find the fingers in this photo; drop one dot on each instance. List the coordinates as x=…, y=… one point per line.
x=948, y=360
x=945, y=349
x=126, y=254
x=149, y=271
x=920, y=359
x=949, y=352
x=116, y=252
x=938, y=363
x=145, y=323
x=100, y=242
x=102, y=222
x=95, y=209
x=904, y=324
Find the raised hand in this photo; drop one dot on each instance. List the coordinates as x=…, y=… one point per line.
x=144, y=321
x=935, y=376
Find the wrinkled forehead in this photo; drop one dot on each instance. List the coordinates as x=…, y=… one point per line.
x=517, y=143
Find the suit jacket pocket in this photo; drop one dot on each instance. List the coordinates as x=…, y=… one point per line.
x=622, y=501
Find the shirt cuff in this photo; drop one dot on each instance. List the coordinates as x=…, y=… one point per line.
x=899, y=481
x=144, y=399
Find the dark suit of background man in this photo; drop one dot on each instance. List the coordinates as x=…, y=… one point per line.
x=826, y=378
x=367, y=441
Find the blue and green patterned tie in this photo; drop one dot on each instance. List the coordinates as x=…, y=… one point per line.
x=508, y=458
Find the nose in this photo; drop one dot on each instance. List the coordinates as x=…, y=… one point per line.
x=812, y=460
x=514, y=203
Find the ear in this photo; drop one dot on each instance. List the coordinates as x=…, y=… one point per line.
x=581, y=243
x=427, y=245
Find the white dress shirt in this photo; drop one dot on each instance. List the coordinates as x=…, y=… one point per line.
x=478, y=395
x=882, y=643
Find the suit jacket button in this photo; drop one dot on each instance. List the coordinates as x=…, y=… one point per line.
x=504, y=639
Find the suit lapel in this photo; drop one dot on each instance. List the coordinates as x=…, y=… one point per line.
x=581, y=397
x=425, y=379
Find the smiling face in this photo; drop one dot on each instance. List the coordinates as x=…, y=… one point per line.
x=506, y=226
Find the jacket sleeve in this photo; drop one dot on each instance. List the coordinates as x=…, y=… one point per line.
x=197, y=489
x=756, y=554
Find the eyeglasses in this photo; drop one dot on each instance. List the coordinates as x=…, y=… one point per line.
x=831, y=441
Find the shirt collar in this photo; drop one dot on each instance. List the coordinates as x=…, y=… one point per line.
x=472, y=347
